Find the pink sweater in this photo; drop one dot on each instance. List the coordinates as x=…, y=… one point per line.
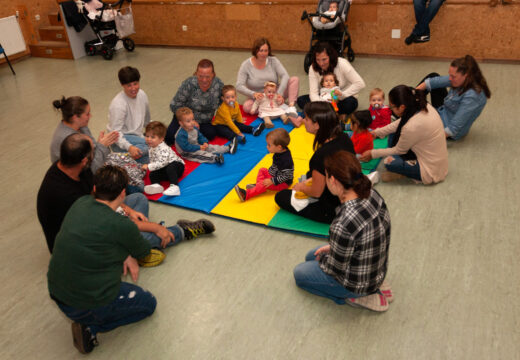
x=424, y=134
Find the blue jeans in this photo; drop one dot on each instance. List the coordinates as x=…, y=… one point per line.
x=139, y=202
x=139, y=143
x=132, y=304
x=310, y=277
x=424, y=15
x=400, y=166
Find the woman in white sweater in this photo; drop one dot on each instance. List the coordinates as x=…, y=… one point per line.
x=417, y=143
x=325, y=59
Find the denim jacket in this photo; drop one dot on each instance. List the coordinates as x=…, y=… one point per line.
x=459, y=110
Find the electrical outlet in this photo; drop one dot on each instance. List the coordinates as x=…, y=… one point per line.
x=37, y=17
x=396, y=33
x=184, y=27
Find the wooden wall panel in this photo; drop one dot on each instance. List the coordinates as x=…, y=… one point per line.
x=486, y=34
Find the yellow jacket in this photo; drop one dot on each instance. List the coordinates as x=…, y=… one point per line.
x=226, y=115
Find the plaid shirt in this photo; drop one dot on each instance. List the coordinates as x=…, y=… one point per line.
x=359, y=239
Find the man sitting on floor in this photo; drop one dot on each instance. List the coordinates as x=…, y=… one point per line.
x=94, y=246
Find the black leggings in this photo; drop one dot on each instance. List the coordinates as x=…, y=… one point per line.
x=316, y=211
x=171, y=172
x=225, y=132
x=437, y=95
x=346, y=106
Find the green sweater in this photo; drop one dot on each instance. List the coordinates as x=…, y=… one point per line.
x=87, y=261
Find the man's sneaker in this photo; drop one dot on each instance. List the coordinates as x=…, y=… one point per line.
x=153, y=189
x=422, y=39
x=193, y=229
x=375, y=302
x=173, y=190
x=242, y=140
x=233, y=145
x=258, y=130
x=241, y=193
x=250, y=186
x=83, y=340
x=154, y=258
x=416, y=39
x=219, y=159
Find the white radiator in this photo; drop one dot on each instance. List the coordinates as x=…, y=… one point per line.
x=11, y=36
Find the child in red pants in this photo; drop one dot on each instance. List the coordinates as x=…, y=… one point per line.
x=280, y=174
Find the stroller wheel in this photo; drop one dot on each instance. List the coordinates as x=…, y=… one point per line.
x=107, y=52
x=90, y=49
x=129, y=44
x=350, y=55
x=307, y=62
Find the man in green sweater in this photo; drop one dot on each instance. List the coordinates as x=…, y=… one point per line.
x=94, y=246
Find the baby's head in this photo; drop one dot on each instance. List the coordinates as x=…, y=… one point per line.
x=333, y=6
x=229, y=95
x=270, y=89
x=377, y=98
x=185, y=117
x=277, y=140
x=329, y=80
x=360, y=120
x=154, y=133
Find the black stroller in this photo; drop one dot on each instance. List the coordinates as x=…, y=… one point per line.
x=108, y=19
x=333, y=31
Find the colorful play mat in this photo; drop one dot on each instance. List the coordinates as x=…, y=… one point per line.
x=210, y=187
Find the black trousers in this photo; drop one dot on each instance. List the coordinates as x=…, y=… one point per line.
x=317, y=211
x=207, y=130
x=437, y=95
x=172, y=172
x=346, y=106
x=227, y=133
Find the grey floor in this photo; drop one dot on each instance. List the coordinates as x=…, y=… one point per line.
x=454, y=262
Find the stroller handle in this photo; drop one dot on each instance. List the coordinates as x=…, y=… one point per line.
x=308, y=16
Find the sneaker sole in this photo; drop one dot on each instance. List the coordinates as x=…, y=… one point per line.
x=240, y=196
x=77, y=338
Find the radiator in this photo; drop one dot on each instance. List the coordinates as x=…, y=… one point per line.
x=11, y=36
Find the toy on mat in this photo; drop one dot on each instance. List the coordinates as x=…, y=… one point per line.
x=334, y=98
x=301, y=194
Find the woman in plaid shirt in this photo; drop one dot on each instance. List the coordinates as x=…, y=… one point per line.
x=352, y=267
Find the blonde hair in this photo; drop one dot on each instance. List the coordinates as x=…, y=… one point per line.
x=376, y=91
x=182, y=112
x=270, y=84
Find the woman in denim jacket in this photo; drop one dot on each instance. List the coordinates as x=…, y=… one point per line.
x=468, y=95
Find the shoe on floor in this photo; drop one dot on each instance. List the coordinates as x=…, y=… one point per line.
x=173, y=190
x=233, y=145
x=241, y=193
x=258, y=130
x=153, y=189
x=219, y=159
x=154, y=258
x=375, y=302
x=374, y=177
x=416, y=39
x=83, y=340
x=250, y=186
x=389, y=176
x=242, y=139
x=387, y=291
x=193, y=229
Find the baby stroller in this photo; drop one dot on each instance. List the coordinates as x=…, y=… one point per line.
x=335, y=31
x=105, y=18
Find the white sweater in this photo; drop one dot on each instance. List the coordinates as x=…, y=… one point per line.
x=349, y=81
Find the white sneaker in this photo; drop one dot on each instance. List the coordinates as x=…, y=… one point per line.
x=173, y=190
x=291, y=111
x=153, y=189
x=374, y=177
